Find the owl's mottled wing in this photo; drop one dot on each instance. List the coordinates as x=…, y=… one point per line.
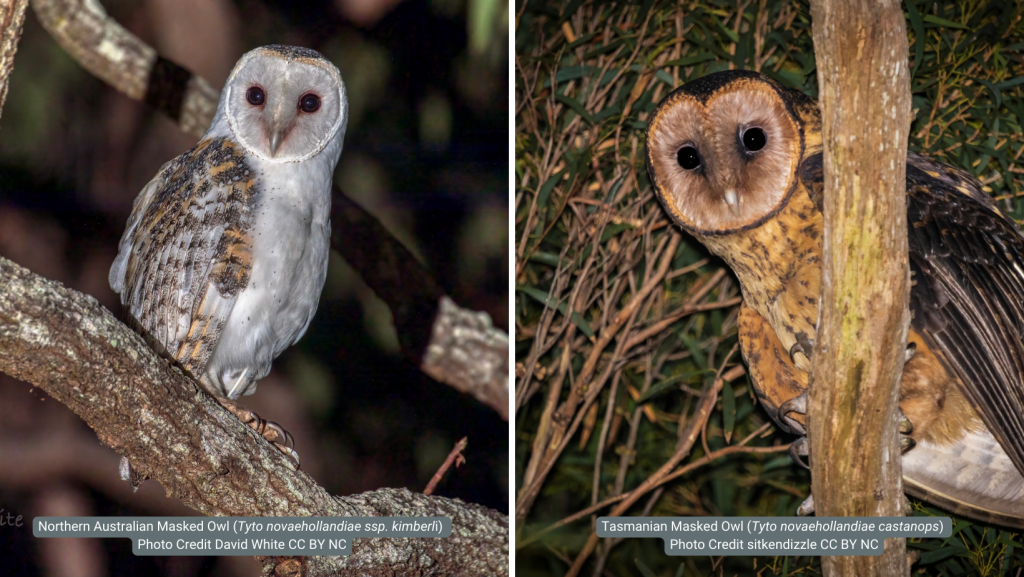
x=967, y=299
x=185, y=254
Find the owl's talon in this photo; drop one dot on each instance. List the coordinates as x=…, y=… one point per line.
x=290, y=453
x=797, y=405
x=906, y=427
x=907, y=444
x=807, y=507
x=799, y=449
x=803, y=344
x=276, y=434
x=269, y=430
x=910, y=352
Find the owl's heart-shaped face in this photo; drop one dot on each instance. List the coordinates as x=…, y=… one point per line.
x=723, y=152
x=285, y=104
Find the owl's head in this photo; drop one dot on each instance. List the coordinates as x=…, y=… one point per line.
x=285, y=104
x=723, y=151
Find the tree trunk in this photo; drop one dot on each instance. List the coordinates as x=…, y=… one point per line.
x=861, y=51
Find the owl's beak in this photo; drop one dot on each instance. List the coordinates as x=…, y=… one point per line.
x=733, y=201
x=277, y=134
x=278, y=126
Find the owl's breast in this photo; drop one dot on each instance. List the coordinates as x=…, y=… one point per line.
x=778, y=265
x=290, y=248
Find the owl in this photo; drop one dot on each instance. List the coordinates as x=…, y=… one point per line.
x=225, y=253
x=736, y=161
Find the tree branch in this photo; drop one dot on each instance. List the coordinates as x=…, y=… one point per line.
x=456, y=347
x=12, y=19
x=861, y=51
x=65, y=343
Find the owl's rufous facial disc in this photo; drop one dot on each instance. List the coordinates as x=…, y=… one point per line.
x=725, y=160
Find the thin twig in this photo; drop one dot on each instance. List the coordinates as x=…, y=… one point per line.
x=688, y=468
x=455, y=456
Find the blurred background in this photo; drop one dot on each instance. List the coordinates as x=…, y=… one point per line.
x=426, y=151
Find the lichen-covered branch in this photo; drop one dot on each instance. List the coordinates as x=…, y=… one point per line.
x=12, y=19
x=119, y=58
x=861, y=52
x=112, y=53
x=65, y=343
x=467, y=353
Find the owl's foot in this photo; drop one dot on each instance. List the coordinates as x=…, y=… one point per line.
x=910, y=352
x=803, y=344
x=270, y=430
x=906, y=428
x=799, y=448
x=798, y=405
x=807, y=507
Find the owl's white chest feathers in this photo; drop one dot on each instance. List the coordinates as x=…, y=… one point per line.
x=290, y=246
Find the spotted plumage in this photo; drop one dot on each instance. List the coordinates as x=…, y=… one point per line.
x=225, y=253
x=189, y=250
x=756, y=201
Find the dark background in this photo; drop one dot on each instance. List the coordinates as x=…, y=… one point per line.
x=426, y=151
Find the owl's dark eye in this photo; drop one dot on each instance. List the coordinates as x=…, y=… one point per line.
x=688, y=158
x=309, y=103
x=754, y=139
x=255, y=96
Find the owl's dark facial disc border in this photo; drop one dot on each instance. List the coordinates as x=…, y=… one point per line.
x=702, y=89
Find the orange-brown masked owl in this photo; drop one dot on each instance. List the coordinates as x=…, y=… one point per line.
x=736, y=159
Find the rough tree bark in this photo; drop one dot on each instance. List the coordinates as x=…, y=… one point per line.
x=12, y=19
x=861, y=51
x=65, y=343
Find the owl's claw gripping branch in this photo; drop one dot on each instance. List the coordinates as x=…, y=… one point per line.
x=797, y=404
x=906, y=427
x=906, y=445
x=807, y=507
x=799, y=448
x=269, y=430
x=803, y=344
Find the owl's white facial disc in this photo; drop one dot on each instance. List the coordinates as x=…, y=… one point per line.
x=723, y=159
x=285, y=104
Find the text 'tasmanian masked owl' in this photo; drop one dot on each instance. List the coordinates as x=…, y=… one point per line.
x=736, y=159
x=225, y=253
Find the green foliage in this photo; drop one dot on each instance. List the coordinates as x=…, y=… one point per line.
x=590, y=234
